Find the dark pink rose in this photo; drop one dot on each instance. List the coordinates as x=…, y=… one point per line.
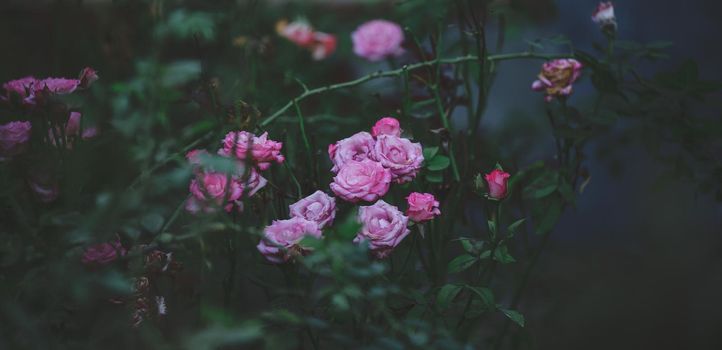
x=14, y=137
x=58, y=86
x=281, y=240
x=401, y=156
x=422, y=207
x=557, y=77
x=386, y=126
x=497, y=181
x=384, y=226
x=263, y=150
x=103, y=253
x=378, y=39
x=20, y=90
x=210, y=189
x=318, y=207
x=361, y=180
x=358, y=147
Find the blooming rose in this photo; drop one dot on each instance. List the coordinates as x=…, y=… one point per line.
x=363, y=180
x=386, y=126
x=323, y=45
x=358, y=147
x=384, y=226
x=318, y=207
x=211, y=188
x=60, y=86
x=557, y=77
x=422, y=206
x=22, y=89
x=14, y=137
x=399, y=155
x=103, y=253
x=281, y=239
x=263, y=150
x=604, y=16
x=377, y=39
x=497, y=181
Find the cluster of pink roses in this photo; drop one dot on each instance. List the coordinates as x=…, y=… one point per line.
x=366, y=164
x=211, y=189
x=302, y=34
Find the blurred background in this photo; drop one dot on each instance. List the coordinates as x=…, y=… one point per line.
x=636, y=264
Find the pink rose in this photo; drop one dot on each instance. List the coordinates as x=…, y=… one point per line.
x=422, y=206
x=323, y=45
x=281, y=240
x=263, y=150
x=365, y=180
x=14, y=137
x=378, y=39
x=358, y=147
x=87, y=76
x=399, y=155
x=210, y=189
x=20, y=89
x=384, y=226
x=299, y=32
x=604, y=16
x=497, y=181
x=557, y=77
x=318, y=207
x=59, y=86
x=386, y=126
x=103, y=253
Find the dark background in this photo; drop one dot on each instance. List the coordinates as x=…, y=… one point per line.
x=636, y=265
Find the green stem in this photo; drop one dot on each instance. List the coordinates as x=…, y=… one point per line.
x=447, y=126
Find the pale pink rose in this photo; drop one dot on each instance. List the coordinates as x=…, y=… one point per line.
x=210, y=189
x=44, y=186
x=386, y=126
x=318, y=207
x=299, y=32
x=422, y=206
x=401, y=156
x=557, y=77
x=59, y=86
x=20, y=89
x=361, y=180
x=263, y=150
x=14, y=137
x=87, y=77
x=497, y=181
x=323, y=45
x=103, y=253
x=384, y=226
x=378, y=39
x=281, y=240
x=604, y=16
x=358, y=147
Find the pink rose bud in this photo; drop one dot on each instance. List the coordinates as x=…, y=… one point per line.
x=323, y=45
x=386, y=126
x=557, y=77
x=365, y=180
x=384, y=226
x=497, y=181
x=87, y=76
x=263, y=150
x=14, y=137
x=318, y=207
x=401, y=156
x=378, y=39
x=422, y=207
x=358, y=147
x=103, y=253
x=20, y=91
x=604, y=16
x=299, y=32
x=281, y=240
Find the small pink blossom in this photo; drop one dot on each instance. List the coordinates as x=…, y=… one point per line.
x=358, y=147
x=87, y=77
x=14, y=137
x=422, y=206
x=263, y=150
x=210, y=189
x=281, y=240
x=497, y=181
x=400, y=155
x=604, y=16
x=386, y=126
x=318, y=207
x=361, y=180
x=103, y=253
x=299, y=32
x=557, y=77
x=378, y=39
x=384, y=227
x=323, y=45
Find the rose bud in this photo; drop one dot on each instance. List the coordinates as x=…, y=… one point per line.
x=87, y=76
x=422, y=207
x=497, y=181
x=604, y=17
x=323, y=45
x=386, y=126
x=103, y=253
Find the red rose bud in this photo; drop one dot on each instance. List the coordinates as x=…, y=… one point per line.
x=497, y=181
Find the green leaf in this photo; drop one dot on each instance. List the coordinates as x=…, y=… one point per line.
x=492, y=226
x=514, y=316
x=468, y=247
x=485, y=294
x=430, y=152
x=461, y=263
x=435, y=176
x=349, y=227
x=446, y=295
x=502, y=255
x=439, y=162
x=515, y=225
x=550, y=216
